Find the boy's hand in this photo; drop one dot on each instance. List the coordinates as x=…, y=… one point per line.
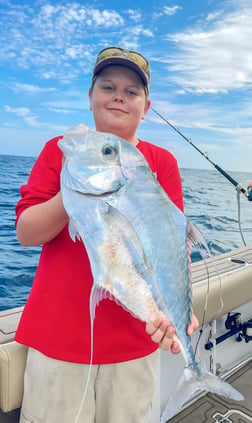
x=162, y=332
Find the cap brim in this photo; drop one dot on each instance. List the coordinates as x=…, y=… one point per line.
x=123, y=62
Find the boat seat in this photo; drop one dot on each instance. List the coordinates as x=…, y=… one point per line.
x=12, y=362
x=12, y=366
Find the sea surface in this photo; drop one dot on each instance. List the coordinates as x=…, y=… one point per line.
x=210, y=201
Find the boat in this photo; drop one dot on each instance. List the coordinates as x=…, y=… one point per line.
x=224, y=346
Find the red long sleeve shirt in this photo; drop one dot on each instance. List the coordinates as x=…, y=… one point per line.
x=56, y=319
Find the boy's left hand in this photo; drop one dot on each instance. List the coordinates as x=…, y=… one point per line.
x=162, y=332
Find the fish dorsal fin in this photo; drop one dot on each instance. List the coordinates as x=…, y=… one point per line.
x=195, y=237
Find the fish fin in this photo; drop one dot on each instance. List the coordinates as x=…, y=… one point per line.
x=195, y=237
x=97, y=294
x=129, y=236
x=88, y=376
x=196, y=378
x=90, y=367
x=72, y=229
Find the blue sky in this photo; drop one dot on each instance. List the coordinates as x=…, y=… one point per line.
x=201, y=72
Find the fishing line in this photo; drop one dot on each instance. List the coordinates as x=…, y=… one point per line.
x=204, y=313
x=196, y=239
x=206, y=304
x=239, y=216
x=205, y=155
x=237, y=185
x=239, y=189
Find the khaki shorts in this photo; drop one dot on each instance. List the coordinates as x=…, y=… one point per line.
x=117, y=393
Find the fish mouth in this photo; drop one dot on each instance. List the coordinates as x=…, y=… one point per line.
x=92, y=181
x=93, y=190
x=99, y=194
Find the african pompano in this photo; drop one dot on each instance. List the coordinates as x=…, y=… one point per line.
x=137, y=241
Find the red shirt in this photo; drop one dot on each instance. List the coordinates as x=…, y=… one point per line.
x=56, y=320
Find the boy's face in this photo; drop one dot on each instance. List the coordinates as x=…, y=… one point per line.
x=118, y=102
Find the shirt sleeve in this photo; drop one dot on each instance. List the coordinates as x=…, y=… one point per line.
x=44, y=180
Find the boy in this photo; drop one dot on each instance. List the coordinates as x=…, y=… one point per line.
x=55, y=323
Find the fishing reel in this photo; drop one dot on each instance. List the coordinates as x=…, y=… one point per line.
x=234, y=326
x=246, y=332
x=233, y=321
x=249, y=192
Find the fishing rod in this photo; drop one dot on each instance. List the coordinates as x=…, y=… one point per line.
x=238, y=186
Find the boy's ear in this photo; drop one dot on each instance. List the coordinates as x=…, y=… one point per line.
x=90, y=98
x=146, y=108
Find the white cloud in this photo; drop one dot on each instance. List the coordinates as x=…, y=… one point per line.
x=135, y=15
x=28, y=117
x=36, y=36
x=73, y=17
x=138, y=30
x=167, y=11
x=63, y=111
x=29, y=88
x=19, y=111
x=171, y=10
x=205, y=122
x=216, y=58
x=32, y=121
x=201, y=74
x=71, y=105
x=105, y=18
x=147, y=33
x=8, y=124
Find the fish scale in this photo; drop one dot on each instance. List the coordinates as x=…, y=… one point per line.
x=137, y=240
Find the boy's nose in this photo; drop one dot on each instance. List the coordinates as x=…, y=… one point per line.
x=119, y=96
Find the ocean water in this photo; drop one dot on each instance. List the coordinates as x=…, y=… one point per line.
x=210, y=202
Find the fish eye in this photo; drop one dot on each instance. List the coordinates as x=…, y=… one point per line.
x=108, y=151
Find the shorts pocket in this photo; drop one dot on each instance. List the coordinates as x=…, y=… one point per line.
x=25, y=417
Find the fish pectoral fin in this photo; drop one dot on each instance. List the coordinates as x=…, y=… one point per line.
x=195, y=237
x=128, y=235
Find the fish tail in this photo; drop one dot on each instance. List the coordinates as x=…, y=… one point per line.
x=196, y=378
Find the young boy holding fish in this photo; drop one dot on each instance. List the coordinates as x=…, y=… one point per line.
x=55, y=323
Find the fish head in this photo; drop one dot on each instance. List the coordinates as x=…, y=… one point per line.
x=92, y=163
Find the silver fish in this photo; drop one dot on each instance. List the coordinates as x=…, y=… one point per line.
x=137, y=241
